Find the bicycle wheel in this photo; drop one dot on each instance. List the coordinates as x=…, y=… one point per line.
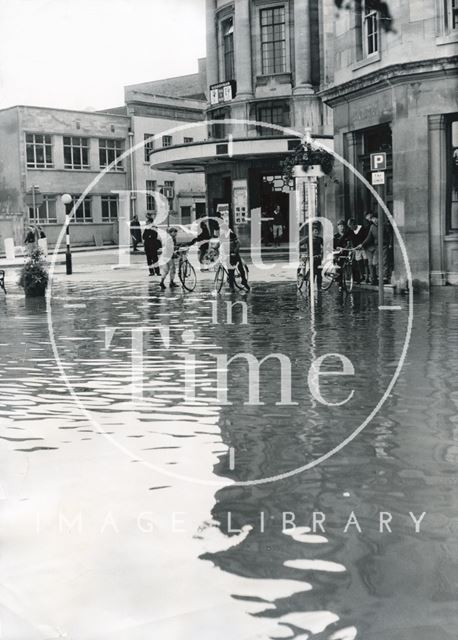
x=237, y=279
x=187, y=275
x=219, y=278
x=348, y=277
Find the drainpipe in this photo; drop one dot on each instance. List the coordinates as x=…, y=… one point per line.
x=133, y=200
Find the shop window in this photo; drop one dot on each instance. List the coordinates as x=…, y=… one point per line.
x=39, y=151
x=109, y=151
x=109, y=208
x=367, y=30
x=273, y=40
x=76, y=153
x=452, y=204
x=451, y=16
x=151, y=186
x=227, y=28
x=272, y=113
x=148, y=145
x=45, y=213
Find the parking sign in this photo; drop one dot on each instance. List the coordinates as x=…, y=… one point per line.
x=378, y=161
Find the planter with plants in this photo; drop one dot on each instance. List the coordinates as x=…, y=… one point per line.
x=307, y=160
x=34, y=275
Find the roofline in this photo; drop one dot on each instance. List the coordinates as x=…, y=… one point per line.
x=187, y=75
x=93, y=113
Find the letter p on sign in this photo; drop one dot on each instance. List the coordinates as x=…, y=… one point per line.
x=378, y=161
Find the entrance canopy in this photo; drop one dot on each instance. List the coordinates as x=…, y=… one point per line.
x=197, y=156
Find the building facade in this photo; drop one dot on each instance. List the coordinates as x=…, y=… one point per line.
x=159, y=121
x=265, y=66
x=46, y=153
x=395, y=91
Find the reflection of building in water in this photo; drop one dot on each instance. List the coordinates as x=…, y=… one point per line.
x=263, y=66
x=395, y=92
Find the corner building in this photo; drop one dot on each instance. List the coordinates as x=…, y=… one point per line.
x=272, y=54
x=395, y=91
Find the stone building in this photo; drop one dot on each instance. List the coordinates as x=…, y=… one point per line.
x=395, y=90
x=51, y=152
x=265, y=66
x=160, y=112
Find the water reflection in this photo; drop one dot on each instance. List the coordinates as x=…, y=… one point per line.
x=316, y=580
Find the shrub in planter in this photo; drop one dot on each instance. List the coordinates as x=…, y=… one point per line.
x=34, y=274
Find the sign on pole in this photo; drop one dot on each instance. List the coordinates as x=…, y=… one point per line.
x=378, y=177
x=378, y=162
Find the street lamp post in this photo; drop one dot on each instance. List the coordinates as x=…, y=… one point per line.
x=67, y=199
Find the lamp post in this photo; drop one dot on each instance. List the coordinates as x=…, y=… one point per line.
x=66, y=200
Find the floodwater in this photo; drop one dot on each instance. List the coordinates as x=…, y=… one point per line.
x=130, y=510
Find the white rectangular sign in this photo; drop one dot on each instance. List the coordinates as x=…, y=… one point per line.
x=378, y=177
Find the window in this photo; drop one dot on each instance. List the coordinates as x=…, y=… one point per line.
x=39, y=151
x=109, y=208
x=451, y=15
x=273, y=40
x=366, y=29
x=228, y=48
x=370, y=31
x=46, y=212
x=219, y=131
x=273, y=113
x=452, y=161
x=188, y=140
x=168, y=190
x=185, y=215
x=148, y=145
x=109, y=151
x=76, y=153
x=84, y=211
x=151, y=186
x=167, y=141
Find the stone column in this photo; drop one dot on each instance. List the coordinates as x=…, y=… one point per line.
x=212, y=44
x=437, y=198
x=242, y=47
x=302, y=52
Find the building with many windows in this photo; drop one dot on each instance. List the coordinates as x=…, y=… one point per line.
x=393, y=89
x=265, y=67
x=160, y=112
x=46, y=153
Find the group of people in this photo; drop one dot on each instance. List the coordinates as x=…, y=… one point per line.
x=35, y=238
x=152, y=245
x=364, y=241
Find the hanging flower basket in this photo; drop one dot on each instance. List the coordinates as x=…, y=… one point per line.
x=304, y=161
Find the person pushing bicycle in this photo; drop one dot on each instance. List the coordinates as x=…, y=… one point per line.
x=317, y=251
x=235, y=262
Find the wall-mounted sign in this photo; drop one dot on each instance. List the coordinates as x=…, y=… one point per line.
x=378, y=177
x=240, y=201
x=378, y=161
x=223, y=92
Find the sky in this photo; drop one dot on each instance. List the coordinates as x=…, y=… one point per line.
x=79, y=54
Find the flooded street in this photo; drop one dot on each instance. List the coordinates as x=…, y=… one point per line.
x=131, y=510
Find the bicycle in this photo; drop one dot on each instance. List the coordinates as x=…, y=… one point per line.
x=186, y=272
x=332, y=272
x=303, y=273
x=222, y=275
x=2, y=280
